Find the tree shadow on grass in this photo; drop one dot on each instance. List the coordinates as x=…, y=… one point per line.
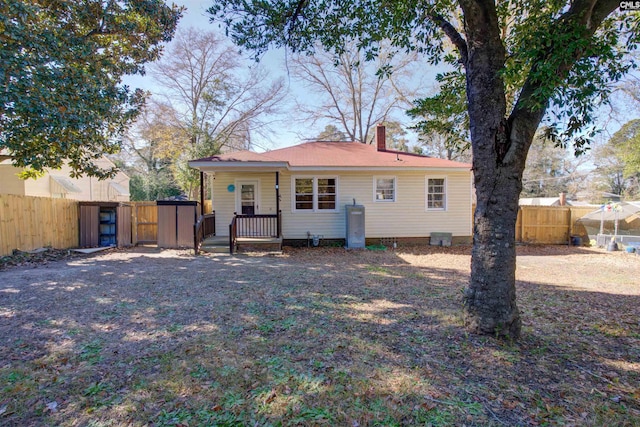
x=343, y=338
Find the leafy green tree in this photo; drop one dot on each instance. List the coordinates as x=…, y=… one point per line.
x=435, y=144
x=150, y=148
x=557, y=57
x=61, y=67
x=442, y=119
x=332, y=133
x=618, y=162
x=626, y=144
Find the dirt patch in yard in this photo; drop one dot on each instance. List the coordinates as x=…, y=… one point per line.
x=315, y=337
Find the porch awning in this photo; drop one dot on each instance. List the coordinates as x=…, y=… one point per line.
x=62, y=184
x=118, y=189
x=237, y=166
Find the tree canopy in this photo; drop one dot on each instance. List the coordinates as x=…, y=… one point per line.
x=618, y=162
x=544, y=43
x=522, y=62
x=61, y=65
x=626, y=143
x=212, y=101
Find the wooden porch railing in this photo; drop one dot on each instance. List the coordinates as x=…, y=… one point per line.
x=258, y=226
x=205, y=227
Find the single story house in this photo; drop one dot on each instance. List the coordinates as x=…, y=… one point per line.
x=305, y=191
x=58, y=183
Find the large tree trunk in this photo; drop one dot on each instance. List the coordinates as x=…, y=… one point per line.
x=490, y=300
x=500, y=146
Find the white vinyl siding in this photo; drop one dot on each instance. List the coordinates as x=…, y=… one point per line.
x=406, y=217
x=384, y=189
x=436, y=197
x=315, y=194
x=224, y=201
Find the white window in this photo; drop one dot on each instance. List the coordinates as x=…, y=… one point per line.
x=384, y=188
x=436, y=194
x=326, y=191
x=304, y=194
x=315, y=194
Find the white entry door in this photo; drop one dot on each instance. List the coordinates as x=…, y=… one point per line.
x=247, y=198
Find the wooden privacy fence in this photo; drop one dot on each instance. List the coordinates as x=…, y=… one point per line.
x=551, y=225
x=28, y=223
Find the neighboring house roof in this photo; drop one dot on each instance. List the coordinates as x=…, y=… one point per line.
x=4, y=154
x=326, y=155
x=549, y=201
x=539, y=201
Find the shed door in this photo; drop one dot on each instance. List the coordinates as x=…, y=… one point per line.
x=89, y=226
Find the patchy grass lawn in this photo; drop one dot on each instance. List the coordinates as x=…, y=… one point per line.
x=316, y=337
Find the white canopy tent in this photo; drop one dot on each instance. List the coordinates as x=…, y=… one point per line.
x=619, y=222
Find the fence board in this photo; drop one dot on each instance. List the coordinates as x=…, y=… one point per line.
x=144, y=222
x=28, y=223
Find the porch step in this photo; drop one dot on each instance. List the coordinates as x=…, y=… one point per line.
x=214, y=249
x=215, y=244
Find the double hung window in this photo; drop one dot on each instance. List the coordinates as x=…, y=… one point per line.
x=384, y=189
x=315, y=194
x=436, y=194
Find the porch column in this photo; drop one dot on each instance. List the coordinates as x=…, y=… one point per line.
x=278, y=202
x=201, y=193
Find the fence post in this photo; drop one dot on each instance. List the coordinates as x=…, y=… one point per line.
x=570, y=224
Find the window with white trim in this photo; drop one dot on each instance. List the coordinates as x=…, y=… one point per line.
x=436, y=194
x=315, y=194
x=384, y=188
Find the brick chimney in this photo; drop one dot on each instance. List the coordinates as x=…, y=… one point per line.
x=381, y=137
x=563, y=199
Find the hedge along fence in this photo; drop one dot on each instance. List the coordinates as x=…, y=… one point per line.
x=28, y=223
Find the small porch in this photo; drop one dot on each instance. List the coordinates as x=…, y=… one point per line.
x=256, y=225
x=246, y=233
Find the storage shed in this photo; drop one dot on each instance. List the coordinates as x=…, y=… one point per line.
x=104, y=224
x=175, y=223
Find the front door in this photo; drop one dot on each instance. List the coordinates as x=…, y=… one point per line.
x=247, y=198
